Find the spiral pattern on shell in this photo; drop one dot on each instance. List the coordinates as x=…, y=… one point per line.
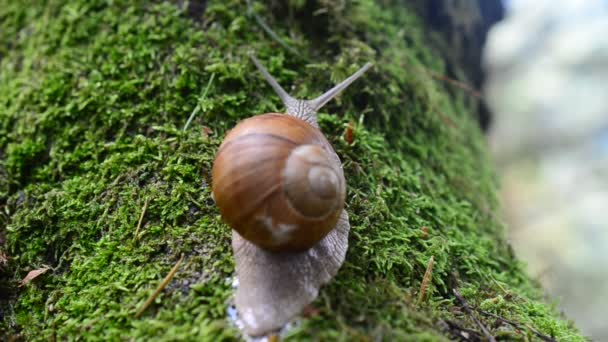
x=278, y=182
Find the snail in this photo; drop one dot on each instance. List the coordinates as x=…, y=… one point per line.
x=280, y=186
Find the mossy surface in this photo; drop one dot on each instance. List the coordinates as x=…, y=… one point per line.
x=93, y=98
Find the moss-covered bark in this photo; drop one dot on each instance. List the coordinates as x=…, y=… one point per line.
x=93, y=98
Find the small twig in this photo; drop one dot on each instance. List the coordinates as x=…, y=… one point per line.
x=456, y=83
x=426, y=278
x=269, y=31
x=141, y=219
x=502, y=288
x=459, y=84
x=517, y=325
x=469, y=311
x=461, y=332
x=160, y=288
x=446, y=119
x=198, y=105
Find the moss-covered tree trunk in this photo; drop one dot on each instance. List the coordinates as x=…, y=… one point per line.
x=94, y=96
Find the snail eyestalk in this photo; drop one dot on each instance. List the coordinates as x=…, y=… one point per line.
x=307, y=109
x=283, y=95
x=320, y=101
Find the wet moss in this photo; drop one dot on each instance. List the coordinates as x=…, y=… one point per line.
x=93, y=98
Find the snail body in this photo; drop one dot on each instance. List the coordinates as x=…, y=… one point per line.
x=280, y=186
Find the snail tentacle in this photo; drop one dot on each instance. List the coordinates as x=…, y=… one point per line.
x=307, y=109
x=320, y=101
x=283, y=95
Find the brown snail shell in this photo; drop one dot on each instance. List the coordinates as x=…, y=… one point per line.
x=278, y=182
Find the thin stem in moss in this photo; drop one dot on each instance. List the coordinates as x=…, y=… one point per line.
x=160, y=287
x=198, y=105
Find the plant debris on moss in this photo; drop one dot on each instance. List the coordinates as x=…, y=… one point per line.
x=94, y=97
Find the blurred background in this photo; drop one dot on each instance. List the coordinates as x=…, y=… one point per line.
x=546, y=85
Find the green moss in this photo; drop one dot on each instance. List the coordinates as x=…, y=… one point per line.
x=93, y=98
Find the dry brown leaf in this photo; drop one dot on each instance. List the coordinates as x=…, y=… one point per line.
x=33, y=275
x=349, y=134
x=206, y=132
x=3, y=259
x=310, y=311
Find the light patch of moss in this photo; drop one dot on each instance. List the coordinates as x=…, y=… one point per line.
x=93, y=96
